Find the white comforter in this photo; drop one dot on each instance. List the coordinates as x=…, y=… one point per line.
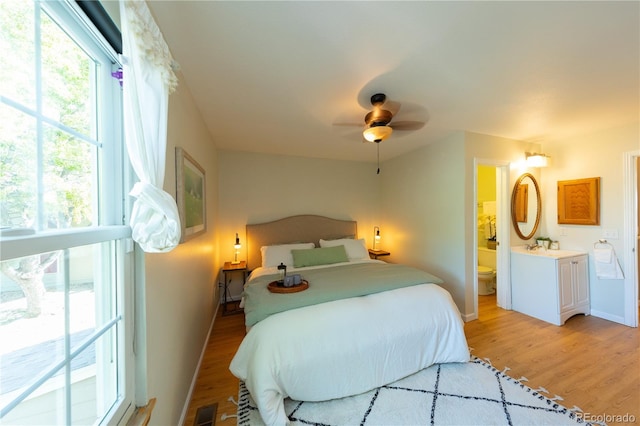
x=347, y=347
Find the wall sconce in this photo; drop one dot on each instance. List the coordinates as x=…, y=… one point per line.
x=376, y=238
x=536, y=160
x=237, y=247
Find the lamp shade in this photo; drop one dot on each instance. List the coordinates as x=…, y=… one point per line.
x=376, y=237
x=377, y=133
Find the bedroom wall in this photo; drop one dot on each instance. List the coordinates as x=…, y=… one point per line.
x=180, y=288
x=257, y=188
x=584, y=156
x=428, y=199
x=423, y=215
x=428, y=196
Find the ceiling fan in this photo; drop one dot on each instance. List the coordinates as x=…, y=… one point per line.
x=379, y=124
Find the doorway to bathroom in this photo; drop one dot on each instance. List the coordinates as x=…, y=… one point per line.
x=491, y=239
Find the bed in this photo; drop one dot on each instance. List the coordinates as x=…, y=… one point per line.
x=361, y=323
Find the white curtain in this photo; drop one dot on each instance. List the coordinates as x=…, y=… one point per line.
x=148, y=78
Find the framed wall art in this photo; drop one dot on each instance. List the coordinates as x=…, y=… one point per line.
x=579, y=201
x=190, y=195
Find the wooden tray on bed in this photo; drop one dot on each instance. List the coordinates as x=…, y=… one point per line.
x=274, y=287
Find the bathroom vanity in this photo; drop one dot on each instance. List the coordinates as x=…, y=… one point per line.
x=551, y=285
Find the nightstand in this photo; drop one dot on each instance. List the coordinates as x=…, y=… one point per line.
x=374, y=254
x=228, y=270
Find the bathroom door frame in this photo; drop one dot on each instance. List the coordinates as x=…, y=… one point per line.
x=631, y=192
x=503, y=221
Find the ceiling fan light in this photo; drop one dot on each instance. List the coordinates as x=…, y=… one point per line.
x=377, y=133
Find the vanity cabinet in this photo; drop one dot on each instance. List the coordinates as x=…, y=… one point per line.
x=550, y=286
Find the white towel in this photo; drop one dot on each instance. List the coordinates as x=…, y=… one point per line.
x=607, y=265
x=603, y=255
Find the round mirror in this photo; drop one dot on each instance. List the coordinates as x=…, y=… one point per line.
x=525, y=206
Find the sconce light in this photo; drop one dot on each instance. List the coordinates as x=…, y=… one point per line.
x=376, y=237
x=377, y=133
x=536, y=160
x=237, y=247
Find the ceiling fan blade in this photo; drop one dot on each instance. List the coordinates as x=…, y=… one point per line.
x=407, y=125
x=392, y=106
x=348, y=124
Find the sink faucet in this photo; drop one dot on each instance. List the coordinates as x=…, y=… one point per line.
x=531, y=247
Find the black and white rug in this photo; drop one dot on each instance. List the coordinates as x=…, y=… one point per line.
x=473, y=393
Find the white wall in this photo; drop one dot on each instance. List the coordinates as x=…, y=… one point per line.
x=181, y=290
x=428, y=204
x=597, y=154
x=257, y=188
x=428, y=196
x=423, y=222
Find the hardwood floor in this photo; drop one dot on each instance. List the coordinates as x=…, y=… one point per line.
x=590, y=362
x=215, y=383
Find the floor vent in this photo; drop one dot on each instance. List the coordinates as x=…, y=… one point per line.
x=206, y=415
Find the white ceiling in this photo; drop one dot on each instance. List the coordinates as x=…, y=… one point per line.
x=275, y=77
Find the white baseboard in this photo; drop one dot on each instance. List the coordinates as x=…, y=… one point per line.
x=185, y=409
x=470, y=317
x=607, y=316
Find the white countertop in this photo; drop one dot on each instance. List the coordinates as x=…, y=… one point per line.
x=541, y=252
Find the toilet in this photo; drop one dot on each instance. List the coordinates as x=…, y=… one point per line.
x=486, y=271
x=486, y=277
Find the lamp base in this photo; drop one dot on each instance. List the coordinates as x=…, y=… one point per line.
x=235, y=262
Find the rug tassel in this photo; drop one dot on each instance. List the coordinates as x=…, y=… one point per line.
x=556, y=398
x=504, y=371
x=523, y=379
x=488, y=361
x=541, y=389
x=576, y=409
x=226, y=416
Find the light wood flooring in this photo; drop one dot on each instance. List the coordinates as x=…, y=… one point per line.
x=590, y=362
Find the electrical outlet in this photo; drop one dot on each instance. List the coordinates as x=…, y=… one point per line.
x=610, y=233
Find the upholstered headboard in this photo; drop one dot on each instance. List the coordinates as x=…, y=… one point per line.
x=295, y=229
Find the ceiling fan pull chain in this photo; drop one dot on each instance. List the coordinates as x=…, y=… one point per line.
x=378, y=145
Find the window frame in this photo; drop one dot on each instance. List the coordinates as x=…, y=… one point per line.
x=115, y=178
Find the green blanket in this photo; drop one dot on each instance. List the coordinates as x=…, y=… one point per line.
x=327, y=284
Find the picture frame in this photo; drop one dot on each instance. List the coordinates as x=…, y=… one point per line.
x=579, y=201
x=190, y=195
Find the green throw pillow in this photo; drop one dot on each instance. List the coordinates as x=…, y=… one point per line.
x=319, y=256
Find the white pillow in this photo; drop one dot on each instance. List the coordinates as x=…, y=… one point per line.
x=356, y=249
x=274, y=255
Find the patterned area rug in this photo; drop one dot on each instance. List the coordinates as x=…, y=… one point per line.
x=474, y=393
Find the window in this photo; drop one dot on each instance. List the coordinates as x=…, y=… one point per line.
x=66, y=355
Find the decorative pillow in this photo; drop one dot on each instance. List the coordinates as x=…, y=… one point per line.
x=274, y=255
x=319, y=256
x=356, y=249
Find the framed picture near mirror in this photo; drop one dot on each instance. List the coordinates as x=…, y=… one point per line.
x=579, y=201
